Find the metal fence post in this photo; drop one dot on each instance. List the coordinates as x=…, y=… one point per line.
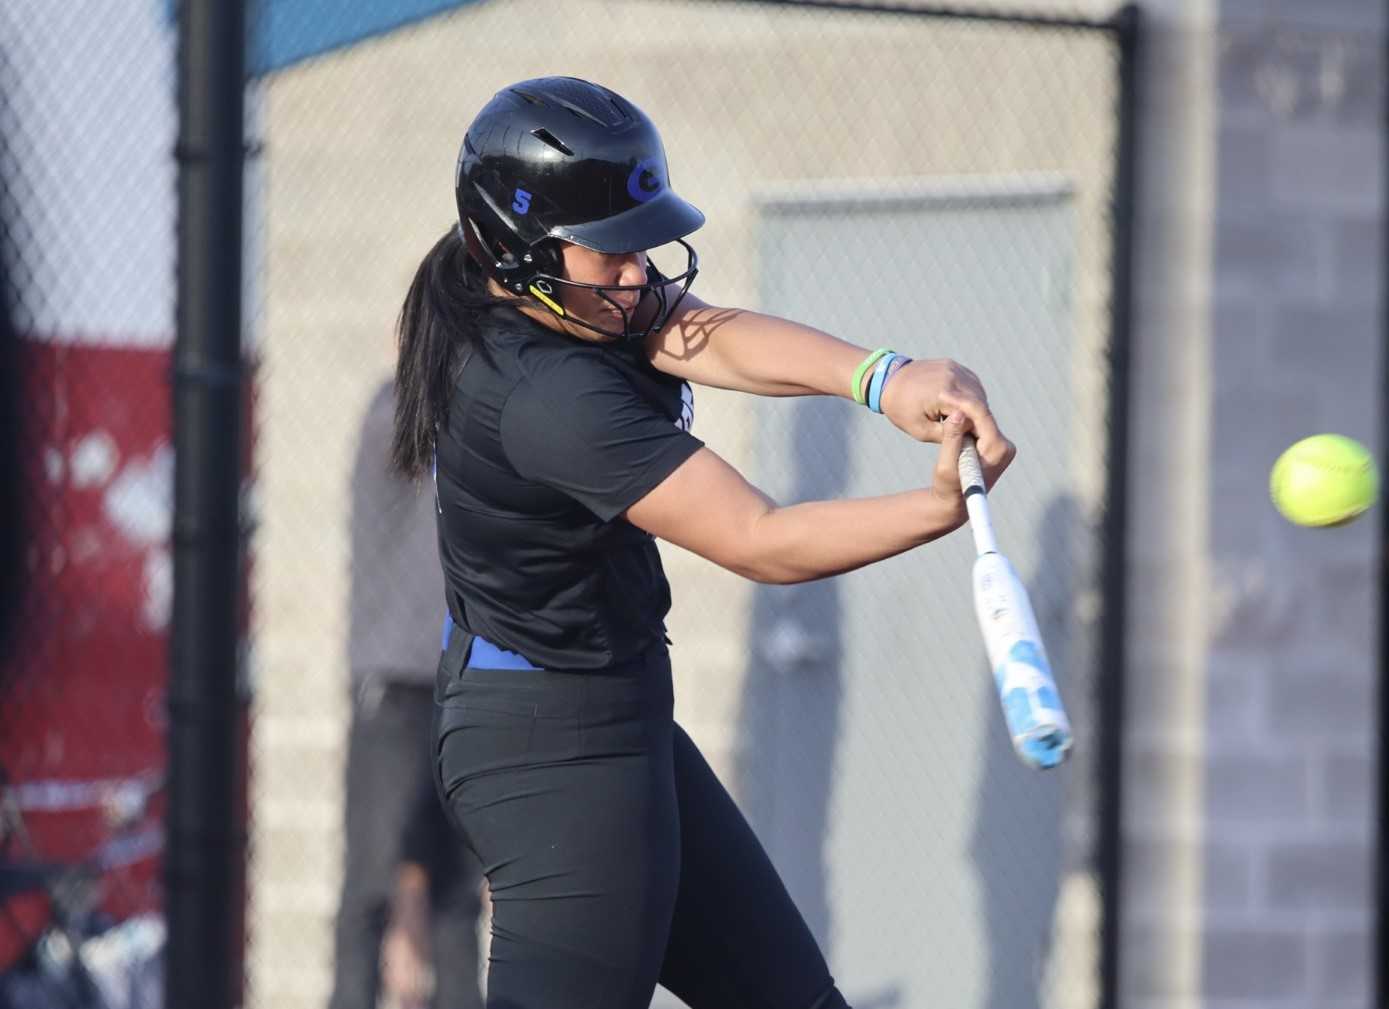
x=1111, y=679
x=204, y=861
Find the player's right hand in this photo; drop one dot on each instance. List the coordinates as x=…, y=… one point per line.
x=945, y=481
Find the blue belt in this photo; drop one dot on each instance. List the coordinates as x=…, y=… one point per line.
x=484, y=654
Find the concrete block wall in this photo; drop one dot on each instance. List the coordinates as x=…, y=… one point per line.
x=1299, y=339
x=1250, y=769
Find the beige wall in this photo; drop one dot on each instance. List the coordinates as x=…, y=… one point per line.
x=360, y=149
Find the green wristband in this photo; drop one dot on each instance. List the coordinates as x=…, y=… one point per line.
x=862, y=369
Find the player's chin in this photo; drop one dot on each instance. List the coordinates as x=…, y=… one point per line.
x=612, y=330
x=596, y=327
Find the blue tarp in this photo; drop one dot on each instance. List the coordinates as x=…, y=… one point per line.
x=287, y=31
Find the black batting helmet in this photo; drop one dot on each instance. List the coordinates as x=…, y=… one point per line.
x=557, y=158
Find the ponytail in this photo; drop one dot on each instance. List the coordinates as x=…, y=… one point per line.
x=437, y=330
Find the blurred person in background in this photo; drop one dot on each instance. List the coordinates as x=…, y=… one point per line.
x=402, y=867
x=543, y=376
x=407, y=976
x=407, y=948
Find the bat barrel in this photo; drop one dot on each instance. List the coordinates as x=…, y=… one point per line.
x=1032, y=708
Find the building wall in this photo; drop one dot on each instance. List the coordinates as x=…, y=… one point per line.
x=1251, y=740
x=356, y=183
x=1166, y=556
x=1248, y=769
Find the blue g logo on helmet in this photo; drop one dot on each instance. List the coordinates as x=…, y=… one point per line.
x=645, y=181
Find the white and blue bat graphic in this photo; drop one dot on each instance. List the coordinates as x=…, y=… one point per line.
x=1032, y=707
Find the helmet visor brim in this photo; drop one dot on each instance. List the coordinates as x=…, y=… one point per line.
x=648, y=226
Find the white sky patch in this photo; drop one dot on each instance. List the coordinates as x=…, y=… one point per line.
x=139, y=501
x=92, y=120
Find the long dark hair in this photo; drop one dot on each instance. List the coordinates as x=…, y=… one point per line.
x=437, y=330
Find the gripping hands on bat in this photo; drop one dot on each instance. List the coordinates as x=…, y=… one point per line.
x=1032, y=708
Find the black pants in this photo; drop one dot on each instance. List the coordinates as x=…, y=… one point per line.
x=616, y=859
x=393, y=814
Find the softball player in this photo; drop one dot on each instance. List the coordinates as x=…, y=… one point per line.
x=544, y=375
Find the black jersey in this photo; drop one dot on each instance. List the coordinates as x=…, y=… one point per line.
x=549, y=440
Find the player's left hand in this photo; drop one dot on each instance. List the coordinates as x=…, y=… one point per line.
x=922, y=394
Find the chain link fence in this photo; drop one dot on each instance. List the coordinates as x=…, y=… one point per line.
x=942, y=184
x=86, y=200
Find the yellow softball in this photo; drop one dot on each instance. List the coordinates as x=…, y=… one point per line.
x=1324, y=480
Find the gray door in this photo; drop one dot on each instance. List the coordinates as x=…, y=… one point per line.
x=873, y=762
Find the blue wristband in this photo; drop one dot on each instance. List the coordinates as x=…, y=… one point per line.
x=875, y=387
x=900, y=361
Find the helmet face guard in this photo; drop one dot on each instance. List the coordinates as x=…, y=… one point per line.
x=559, y=159
x=656, y=297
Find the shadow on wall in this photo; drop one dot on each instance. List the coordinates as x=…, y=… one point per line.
x=1017, y=845
x=789, y=718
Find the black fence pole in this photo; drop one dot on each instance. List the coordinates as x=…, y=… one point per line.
x=1110, y=699
x=204, y=862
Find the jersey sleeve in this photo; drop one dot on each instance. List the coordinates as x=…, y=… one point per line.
x=581, y=428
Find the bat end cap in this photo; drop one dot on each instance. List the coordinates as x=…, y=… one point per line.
x=1045, y=750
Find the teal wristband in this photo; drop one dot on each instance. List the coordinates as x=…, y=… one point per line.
x=875, y=386
x=875, y=391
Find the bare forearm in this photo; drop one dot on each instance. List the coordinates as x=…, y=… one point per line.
x=750, y=352
x=817, y=539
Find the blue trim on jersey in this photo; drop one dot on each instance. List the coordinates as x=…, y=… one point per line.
x=484, y=654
